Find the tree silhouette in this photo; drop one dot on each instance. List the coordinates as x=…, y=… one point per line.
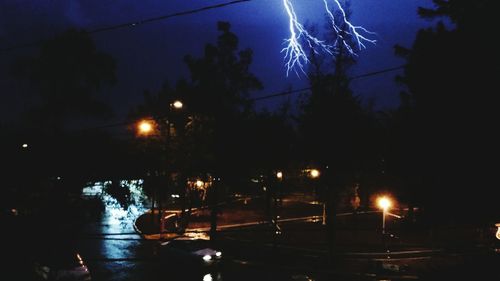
x=216, y=111
x=217, y=96
x=66, y=73
x=450, y=75
x=335, y=130
x=64, y=78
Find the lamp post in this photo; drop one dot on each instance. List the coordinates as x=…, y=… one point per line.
x=148, y=127
x=314, y=174
x=277, y=190
x=384, y=203
x=176, y=105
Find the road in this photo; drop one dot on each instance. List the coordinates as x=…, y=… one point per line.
x=113, y=251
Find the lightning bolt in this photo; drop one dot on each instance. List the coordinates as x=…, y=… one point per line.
x=351, y=37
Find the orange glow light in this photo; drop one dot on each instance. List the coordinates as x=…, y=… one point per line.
x=384, y=203
x=145, y=127
x=314, y=173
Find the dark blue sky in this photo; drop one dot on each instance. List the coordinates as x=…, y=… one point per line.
x=149, y=54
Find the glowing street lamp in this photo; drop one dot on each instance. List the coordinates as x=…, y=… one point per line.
x=279, y=175
x=145, y=127
x=199, y=183
x=384, y=203
x=177, y=104
x=314, y=173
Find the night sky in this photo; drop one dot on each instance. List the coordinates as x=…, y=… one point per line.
x=149, y=54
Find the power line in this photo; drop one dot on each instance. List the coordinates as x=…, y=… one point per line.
x=136, y=23
x=378, y=72
x=286, y=93
x=164, y=17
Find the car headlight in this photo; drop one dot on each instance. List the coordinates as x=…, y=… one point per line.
x=218, y=254
x=207, y=257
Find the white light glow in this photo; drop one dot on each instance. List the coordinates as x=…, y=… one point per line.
x=207, y=277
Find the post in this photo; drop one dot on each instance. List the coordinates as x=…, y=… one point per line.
x=324, y=214
x=214, y=210
x=167, y=177
x=383, y=220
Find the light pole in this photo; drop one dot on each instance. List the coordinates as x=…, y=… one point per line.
x=176, y=105
x=384, y=203
x=148, y=127
x=314, y=174
x=277, y=190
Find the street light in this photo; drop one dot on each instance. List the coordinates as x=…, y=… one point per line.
x=384, y=203
x=199, y=183
x=279, y=175
x=177, y=104
x=145, y=127
x=314, y=173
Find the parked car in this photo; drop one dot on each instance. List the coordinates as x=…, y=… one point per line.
x=191, y=249
x=60, y=264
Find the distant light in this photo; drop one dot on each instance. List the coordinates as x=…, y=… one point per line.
x=25, y=145
x=199, y=183
x=207, y=257
x=314, y=173
x=80, y=261
x=178, y=104
x=58, y=178
x=207, y=277
x=218, y=254
x=279, y=175
x=384, y=203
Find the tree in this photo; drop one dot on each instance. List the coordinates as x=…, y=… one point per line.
x=66, y=73
x=335, y=129
x=64, y=78
x=450, y=75
x=217, y=107
x=218, y=89
x=220, y=82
